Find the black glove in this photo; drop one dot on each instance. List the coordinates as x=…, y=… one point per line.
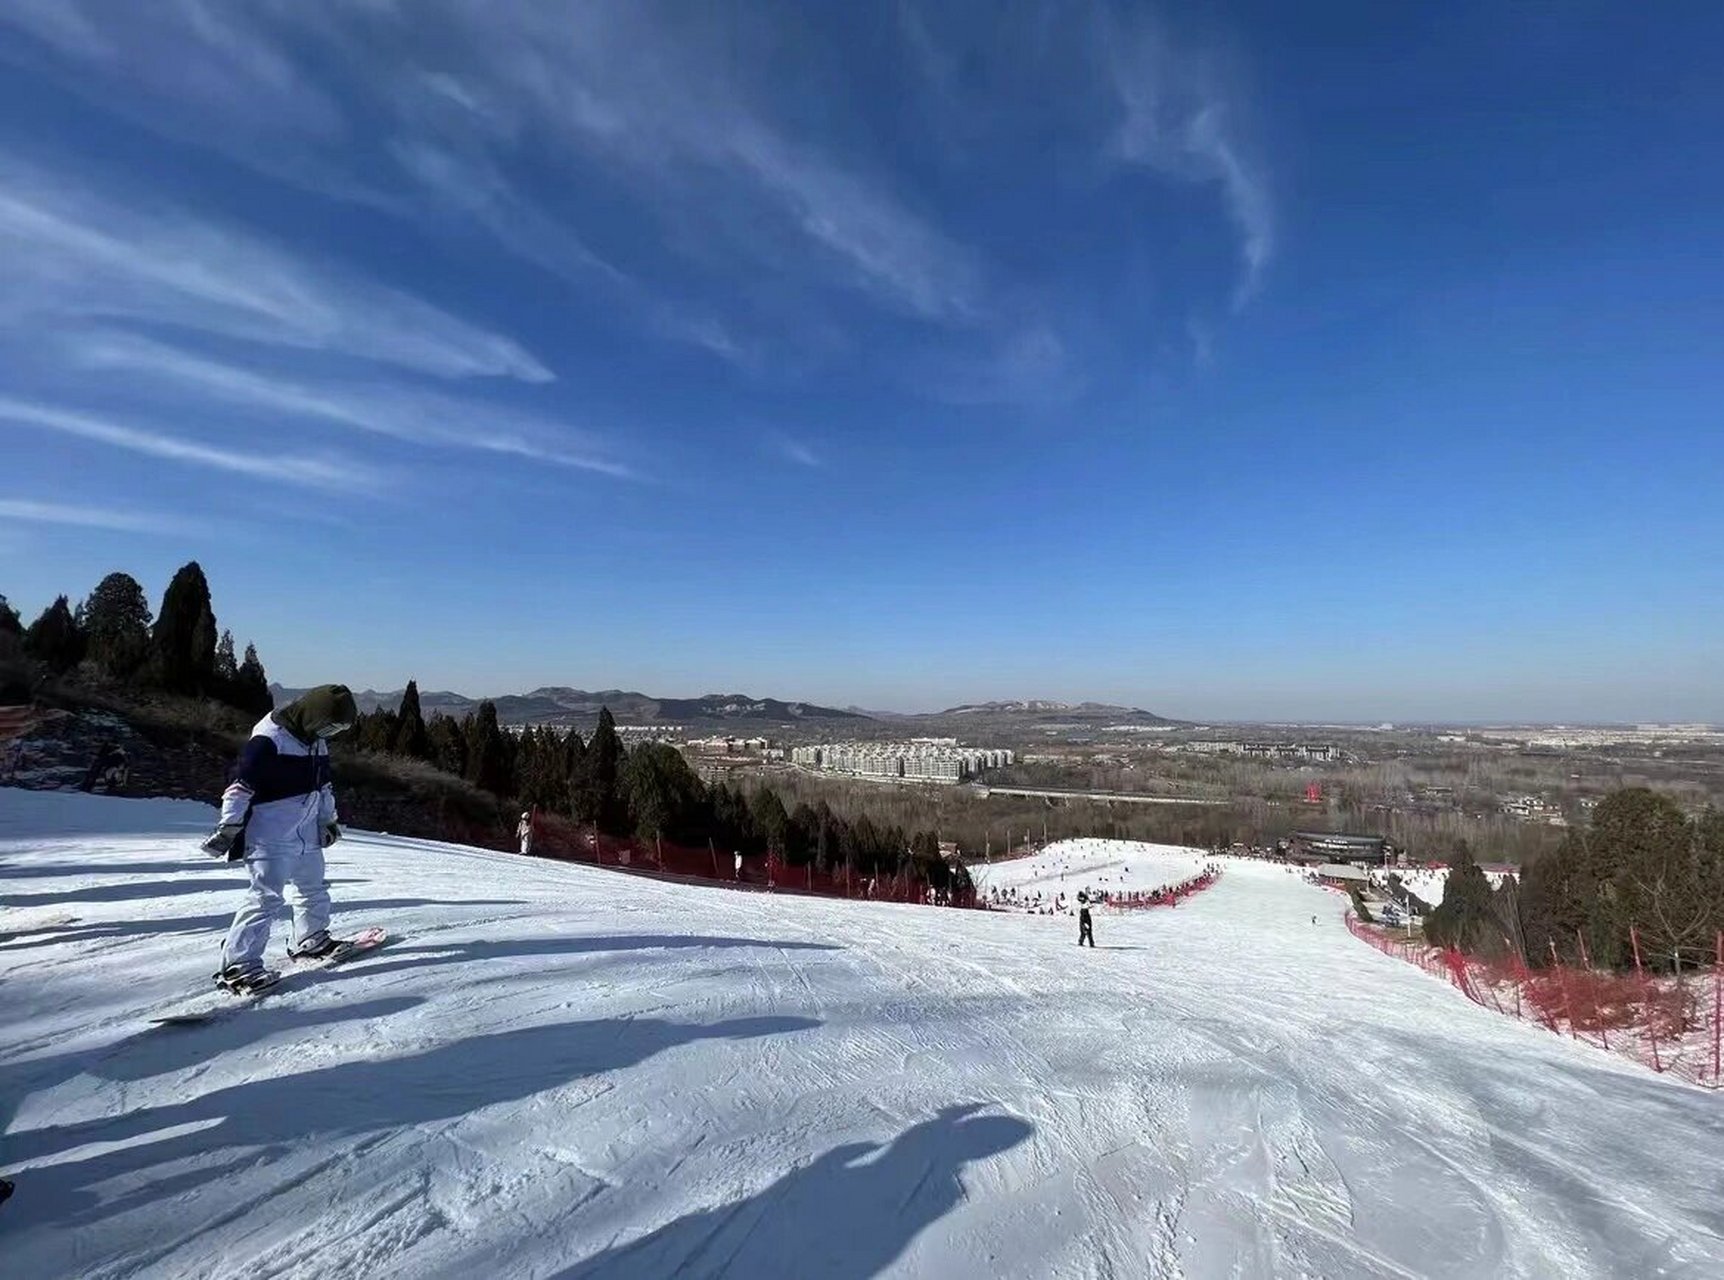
x=221, y=843
x=331, y=833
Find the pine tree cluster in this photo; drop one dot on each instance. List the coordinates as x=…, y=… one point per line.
x=1641, y=869
x=114, y=635
x=649, y=792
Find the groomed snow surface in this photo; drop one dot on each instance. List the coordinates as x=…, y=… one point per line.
x=562, y=1071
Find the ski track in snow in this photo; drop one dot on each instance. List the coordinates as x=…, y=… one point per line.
x=554, y=1071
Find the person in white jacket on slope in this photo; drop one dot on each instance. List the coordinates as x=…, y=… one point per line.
x=279, y=814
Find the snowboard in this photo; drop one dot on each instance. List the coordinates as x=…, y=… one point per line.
x=220, y=1004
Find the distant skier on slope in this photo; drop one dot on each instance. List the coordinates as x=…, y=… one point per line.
x=524, y=832
x=1085, y=928
x=280, y=808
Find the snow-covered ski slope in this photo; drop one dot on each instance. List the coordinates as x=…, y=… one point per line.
x=1068, y=867
x=1427, y=883
x=560, y=1071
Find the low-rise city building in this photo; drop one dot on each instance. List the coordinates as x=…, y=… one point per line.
x=1533, y=809
x=1268, y=750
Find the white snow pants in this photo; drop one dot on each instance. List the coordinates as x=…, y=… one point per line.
x=272, y=870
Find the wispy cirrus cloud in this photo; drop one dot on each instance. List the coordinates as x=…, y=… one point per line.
x=75, y=255
x=793, y=450
x=402, y=413
x=82, y=517
x=634, y=92
x=328, y=473
x=663, y=163
x=1029, y=367
x=1178, y=116
x=471, y=187
x=1173, y=107
x=655, y=100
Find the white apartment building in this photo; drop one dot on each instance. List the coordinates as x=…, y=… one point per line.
x=907, y=761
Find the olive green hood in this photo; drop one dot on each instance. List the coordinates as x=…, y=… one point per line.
x=317, y=709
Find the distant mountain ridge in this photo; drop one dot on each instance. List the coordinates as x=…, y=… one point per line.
x=561, y=705
x=555, y=704
x=1044, y=709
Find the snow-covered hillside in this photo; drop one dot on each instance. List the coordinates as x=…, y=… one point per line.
x=1426, y=883
x=1064, y=869
x=561, y=1071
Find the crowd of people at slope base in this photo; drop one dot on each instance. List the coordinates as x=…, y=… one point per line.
x=1038, y=903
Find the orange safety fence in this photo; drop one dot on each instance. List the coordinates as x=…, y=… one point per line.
x=561, y=839
x=1673, y=1024
x=1166, y=896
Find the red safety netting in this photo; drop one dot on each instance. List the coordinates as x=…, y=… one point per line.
x=1166, y=896
x=558, y=838
x=1672, y=1024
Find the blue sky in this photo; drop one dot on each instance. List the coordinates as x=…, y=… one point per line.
x=1338, y=361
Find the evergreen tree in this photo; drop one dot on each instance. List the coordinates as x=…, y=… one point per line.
x=204, y=641
x=962, y=888
x=1554, y=902
x=1466, y=918
x=662, y=794
x=489, y=763
x=55, y=639
x=1674, y=891
x=771, y=821
x=539, y=776
x=930, y=863
x=184, y=639
x=226, y=664
x=864, y=841
x=375, y=731
x=831, y=847
x=251, y=686
x=597, y=797
x=116, y=624
x=802, y=841
x=1636, y=850
x=895, y=848
x=411, y=738
x=448, y=745
x=574, y=767
x=17, y=678
x=732, y=826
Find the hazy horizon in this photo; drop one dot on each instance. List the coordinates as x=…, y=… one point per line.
x=943, y=704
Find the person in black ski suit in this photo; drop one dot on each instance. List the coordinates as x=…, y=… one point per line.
x=109, y=768
x=1085, y=929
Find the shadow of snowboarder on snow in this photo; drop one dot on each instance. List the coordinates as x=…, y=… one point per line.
x=848, y=1215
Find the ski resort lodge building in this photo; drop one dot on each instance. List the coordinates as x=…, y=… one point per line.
x=1330, y=847
x=1340, y=875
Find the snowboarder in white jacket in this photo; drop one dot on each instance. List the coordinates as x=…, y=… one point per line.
x=524, y=832
x=279, y=812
